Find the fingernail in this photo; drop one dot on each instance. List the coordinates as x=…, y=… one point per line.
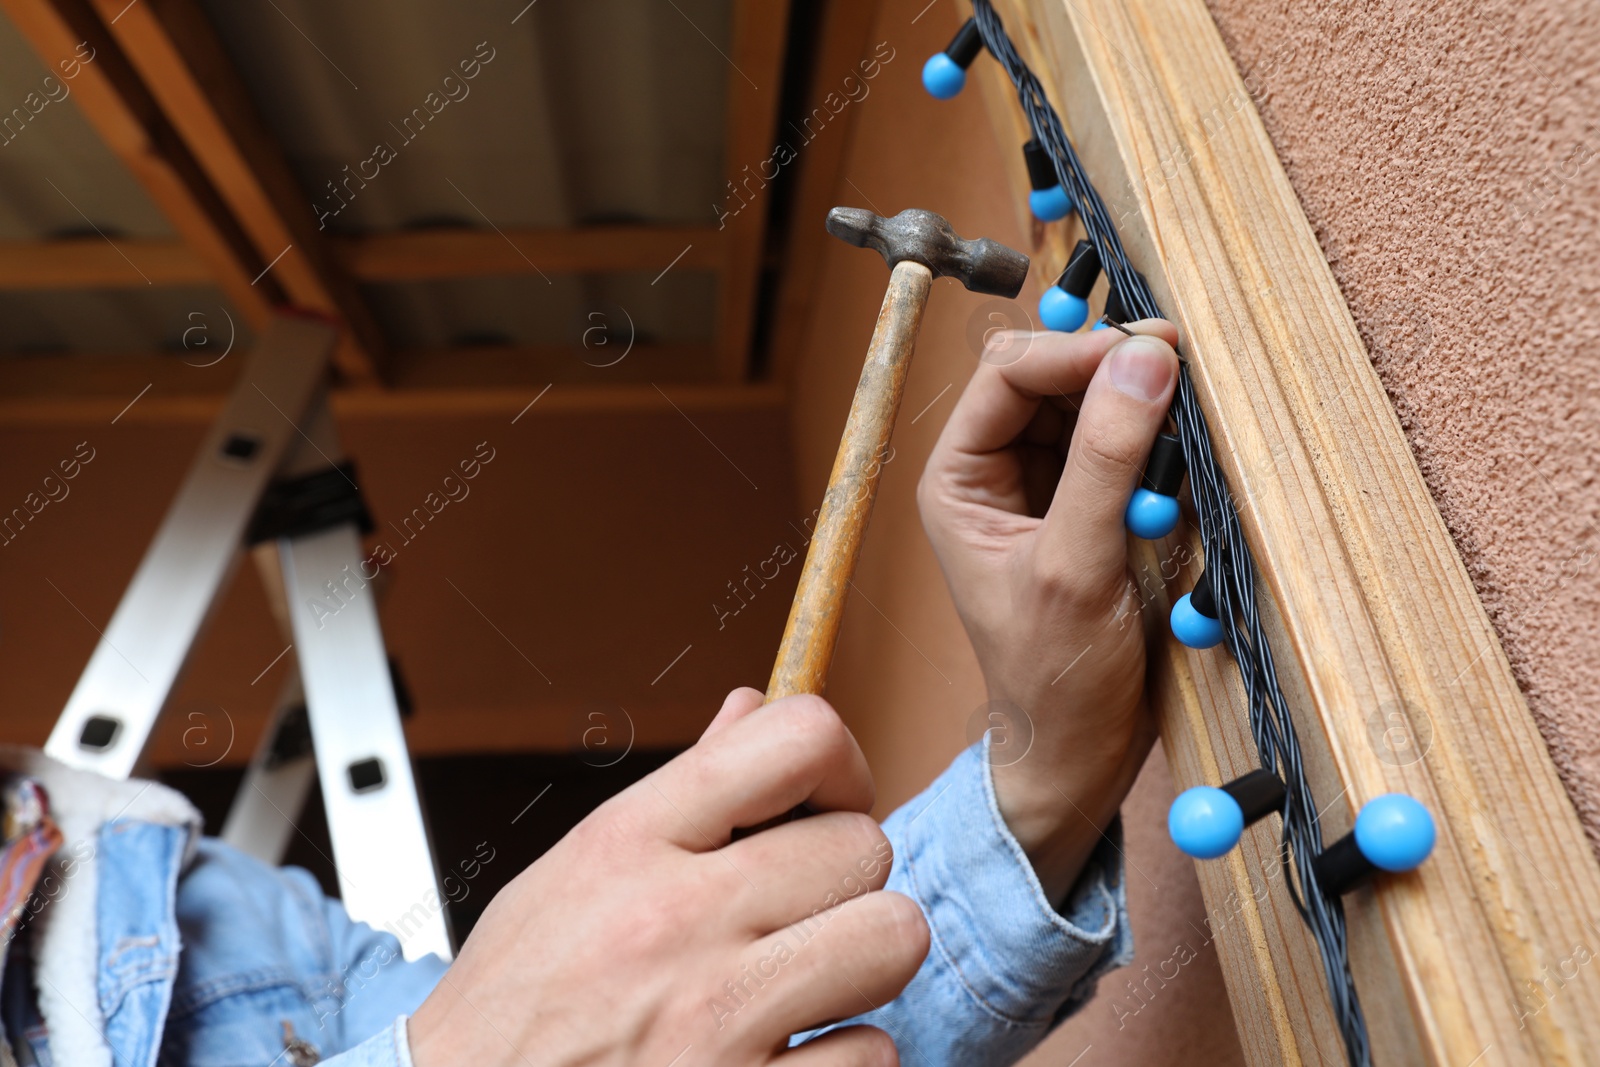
x=1141, y=369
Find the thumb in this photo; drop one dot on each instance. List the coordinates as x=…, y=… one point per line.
x=1123, y=410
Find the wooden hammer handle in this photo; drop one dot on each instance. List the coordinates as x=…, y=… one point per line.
x=818, y=608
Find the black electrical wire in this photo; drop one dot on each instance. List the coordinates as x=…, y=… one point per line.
x=1228, y=562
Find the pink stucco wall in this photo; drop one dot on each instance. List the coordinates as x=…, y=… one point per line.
x=1448, y=155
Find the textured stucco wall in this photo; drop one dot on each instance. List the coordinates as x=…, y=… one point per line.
x=1448, y=155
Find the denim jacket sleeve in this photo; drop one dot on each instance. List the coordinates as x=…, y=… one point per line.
x=1003, y=966
x=387, y=1048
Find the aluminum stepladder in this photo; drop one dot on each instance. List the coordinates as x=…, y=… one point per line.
x=268, y=463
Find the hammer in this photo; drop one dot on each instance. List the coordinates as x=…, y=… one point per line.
x=918, y=246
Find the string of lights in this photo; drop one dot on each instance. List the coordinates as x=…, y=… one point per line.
x=1230, y=571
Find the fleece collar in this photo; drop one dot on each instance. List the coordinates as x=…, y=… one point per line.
x=65, y=940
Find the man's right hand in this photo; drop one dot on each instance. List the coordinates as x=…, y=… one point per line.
x=648, y=937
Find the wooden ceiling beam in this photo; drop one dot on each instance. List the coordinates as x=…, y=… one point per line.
x=609, y=362
x=91, y=263
x=561, y=399
x=755, y=83
x=165, y=389
x=175, y=50
x=208, y=371
x=78, y=263
x=427, y=254
x=69, y=36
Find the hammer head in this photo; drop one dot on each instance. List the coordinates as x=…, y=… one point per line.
x=923, y=237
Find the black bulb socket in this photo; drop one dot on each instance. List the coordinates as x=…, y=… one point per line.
x=1342, y=866
x=1114, y=311
x=965, y=45
x=1041, y=172
x=1202, y=599
x=1083, y=269
x=1258, y=794
x=1163, y=473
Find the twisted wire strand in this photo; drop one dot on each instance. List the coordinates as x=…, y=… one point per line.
x=1227, y=559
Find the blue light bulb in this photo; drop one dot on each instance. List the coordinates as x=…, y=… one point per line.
x=1395, y=832
x=1192, y=628
x=945, y=73
x=1205, y=822
x=942, y=76
x=1153, y=509
x=1151, y=515
x=1051, y=204
x=1060, y=310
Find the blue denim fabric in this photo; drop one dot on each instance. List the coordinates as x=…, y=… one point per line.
x=219, y=965
x=138, y=939
x=263, y=947
x=1003, y=966
x=387, y=1048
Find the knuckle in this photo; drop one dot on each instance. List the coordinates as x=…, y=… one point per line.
x=877, y=1048
x=936, y=497
x=905, y=925
x=863, y=846
x=611, y=830
x=600, y=827
x=870, y=835
x=1001, y=343
x=1107, y=461
x=816, y=723
x=656, y=923
x=1060, y=583
x=925, y=491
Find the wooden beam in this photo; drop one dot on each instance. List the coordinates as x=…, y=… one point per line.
x=201, y=410
x=177, y=53
x=186, y=388
x=844, y=41
x=755, y=79
x=92, y=263
x=109, y=374
x=394, y=257
x=516, y=366
x=561, y=399
x=1372, y=616
x=427, y=254
x=69, y=36
x=29, y=380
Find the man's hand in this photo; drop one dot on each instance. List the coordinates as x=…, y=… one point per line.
x=645, y=933
x=1023, y=499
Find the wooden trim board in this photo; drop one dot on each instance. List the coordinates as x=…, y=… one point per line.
x=1477, y=957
